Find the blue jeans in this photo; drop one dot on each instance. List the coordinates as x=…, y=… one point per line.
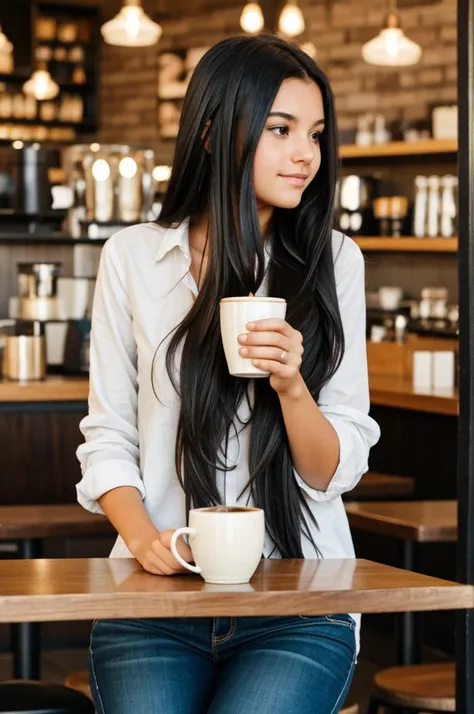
x=243, y=665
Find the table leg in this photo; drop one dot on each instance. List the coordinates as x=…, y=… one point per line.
x=408, y=623
x=26, y=636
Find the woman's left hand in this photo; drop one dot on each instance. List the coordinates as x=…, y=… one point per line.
x=275, y=347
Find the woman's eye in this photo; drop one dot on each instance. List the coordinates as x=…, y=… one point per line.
x=316, y=136
x=279, y=130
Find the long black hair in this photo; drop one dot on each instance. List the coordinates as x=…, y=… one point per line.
x=229, y=97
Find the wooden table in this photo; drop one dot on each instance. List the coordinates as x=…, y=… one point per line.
x=29, y=526
x=412, y=522
x=374, y=485
x=82, y=589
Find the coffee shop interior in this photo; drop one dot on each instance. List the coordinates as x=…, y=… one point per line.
x=90, y=100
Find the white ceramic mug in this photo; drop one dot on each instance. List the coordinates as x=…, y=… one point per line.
x=235, y=313
x=226, y=543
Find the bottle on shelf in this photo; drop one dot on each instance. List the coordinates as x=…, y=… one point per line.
x=434, y=206
x=448, y=206
x=421, y=207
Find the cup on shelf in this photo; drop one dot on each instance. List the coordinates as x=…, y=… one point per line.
x=390, y=297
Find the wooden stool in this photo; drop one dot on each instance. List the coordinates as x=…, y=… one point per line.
x=22, y=697
x=423, y=687
x=79, y=681
x=352, y=709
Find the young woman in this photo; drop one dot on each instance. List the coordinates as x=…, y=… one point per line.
x=249, y=209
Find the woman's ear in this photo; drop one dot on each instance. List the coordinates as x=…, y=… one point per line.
x=205, y=138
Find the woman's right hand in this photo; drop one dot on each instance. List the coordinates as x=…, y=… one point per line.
x=156, y=557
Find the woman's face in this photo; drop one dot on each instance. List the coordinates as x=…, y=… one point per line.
x=288, y=154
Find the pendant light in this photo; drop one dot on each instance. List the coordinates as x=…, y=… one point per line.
x=41, y=85
x=251, y=19
x=6, y=54
x=131, y=27
x=291, y=21
x=391, y=47
x=6, y=46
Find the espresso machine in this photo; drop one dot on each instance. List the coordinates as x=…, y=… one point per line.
x=112, y=185
x=26, y=202
x=55, y=311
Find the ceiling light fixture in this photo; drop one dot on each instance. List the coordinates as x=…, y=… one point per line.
x=131, y=27
x=251, y=19
x=291, y=21
x=41, y=85
x=391, y=47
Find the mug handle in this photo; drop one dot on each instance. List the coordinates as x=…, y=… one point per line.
x=174, y=549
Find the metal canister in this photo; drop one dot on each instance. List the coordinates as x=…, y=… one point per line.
x=24, y=357
x=37, y=289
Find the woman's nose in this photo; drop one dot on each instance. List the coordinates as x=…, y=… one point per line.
x=304, y=151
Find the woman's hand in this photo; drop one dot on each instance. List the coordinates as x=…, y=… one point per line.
x=274, y=346
x=157, y=558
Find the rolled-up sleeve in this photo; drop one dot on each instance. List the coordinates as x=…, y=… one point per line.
x=110, y=455
x=345, y=400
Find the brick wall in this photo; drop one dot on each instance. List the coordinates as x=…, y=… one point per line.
x=338, y=29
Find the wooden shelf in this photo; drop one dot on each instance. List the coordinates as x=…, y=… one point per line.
x=407, y=244
x=399, y=148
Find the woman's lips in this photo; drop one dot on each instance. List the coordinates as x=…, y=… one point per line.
x=295, y=179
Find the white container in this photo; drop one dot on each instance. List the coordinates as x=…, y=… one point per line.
x=390, y=297
x=422, y=369
x=443, y=370
x=235, y=313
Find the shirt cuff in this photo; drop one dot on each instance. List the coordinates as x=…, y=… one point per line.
x=105, y=476
x=353, y=460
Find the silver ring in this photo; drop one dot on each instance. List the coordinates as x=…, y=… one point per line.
x=283, y=356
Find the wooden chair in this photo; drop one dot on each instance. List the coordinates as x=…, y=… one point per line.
x=424, y=687
x=24, y=697
x=80, y=681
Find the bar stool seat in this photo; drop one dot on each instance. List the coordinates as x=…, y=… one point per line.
x=352, y=709
x=23, y=697
x=423, y=687
x=79, y=681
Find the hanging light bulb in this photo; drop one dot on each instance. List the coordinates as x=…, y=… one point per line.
x=6, y=46
x=291, y=21
x=6, y=54
x=41, y=85
x=131, y=27
x=251, y=19
x=391, y=47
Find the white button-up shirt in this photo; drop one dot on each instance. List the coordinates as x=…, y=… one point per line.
x=143, y=291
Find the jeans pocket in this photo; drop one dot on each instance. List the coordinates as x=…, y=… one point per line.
x=344, y=620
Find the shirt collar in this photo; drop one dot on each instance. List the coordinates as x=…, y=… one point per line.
x=177, y=236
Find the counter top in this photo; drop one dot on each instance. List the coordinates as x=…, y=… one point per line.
x=52, y=389
x=399, y=392
x=384, y=391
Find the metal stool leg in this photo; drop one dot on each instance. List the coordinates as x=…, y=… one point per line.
x=26, y=636
x=408, y=623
